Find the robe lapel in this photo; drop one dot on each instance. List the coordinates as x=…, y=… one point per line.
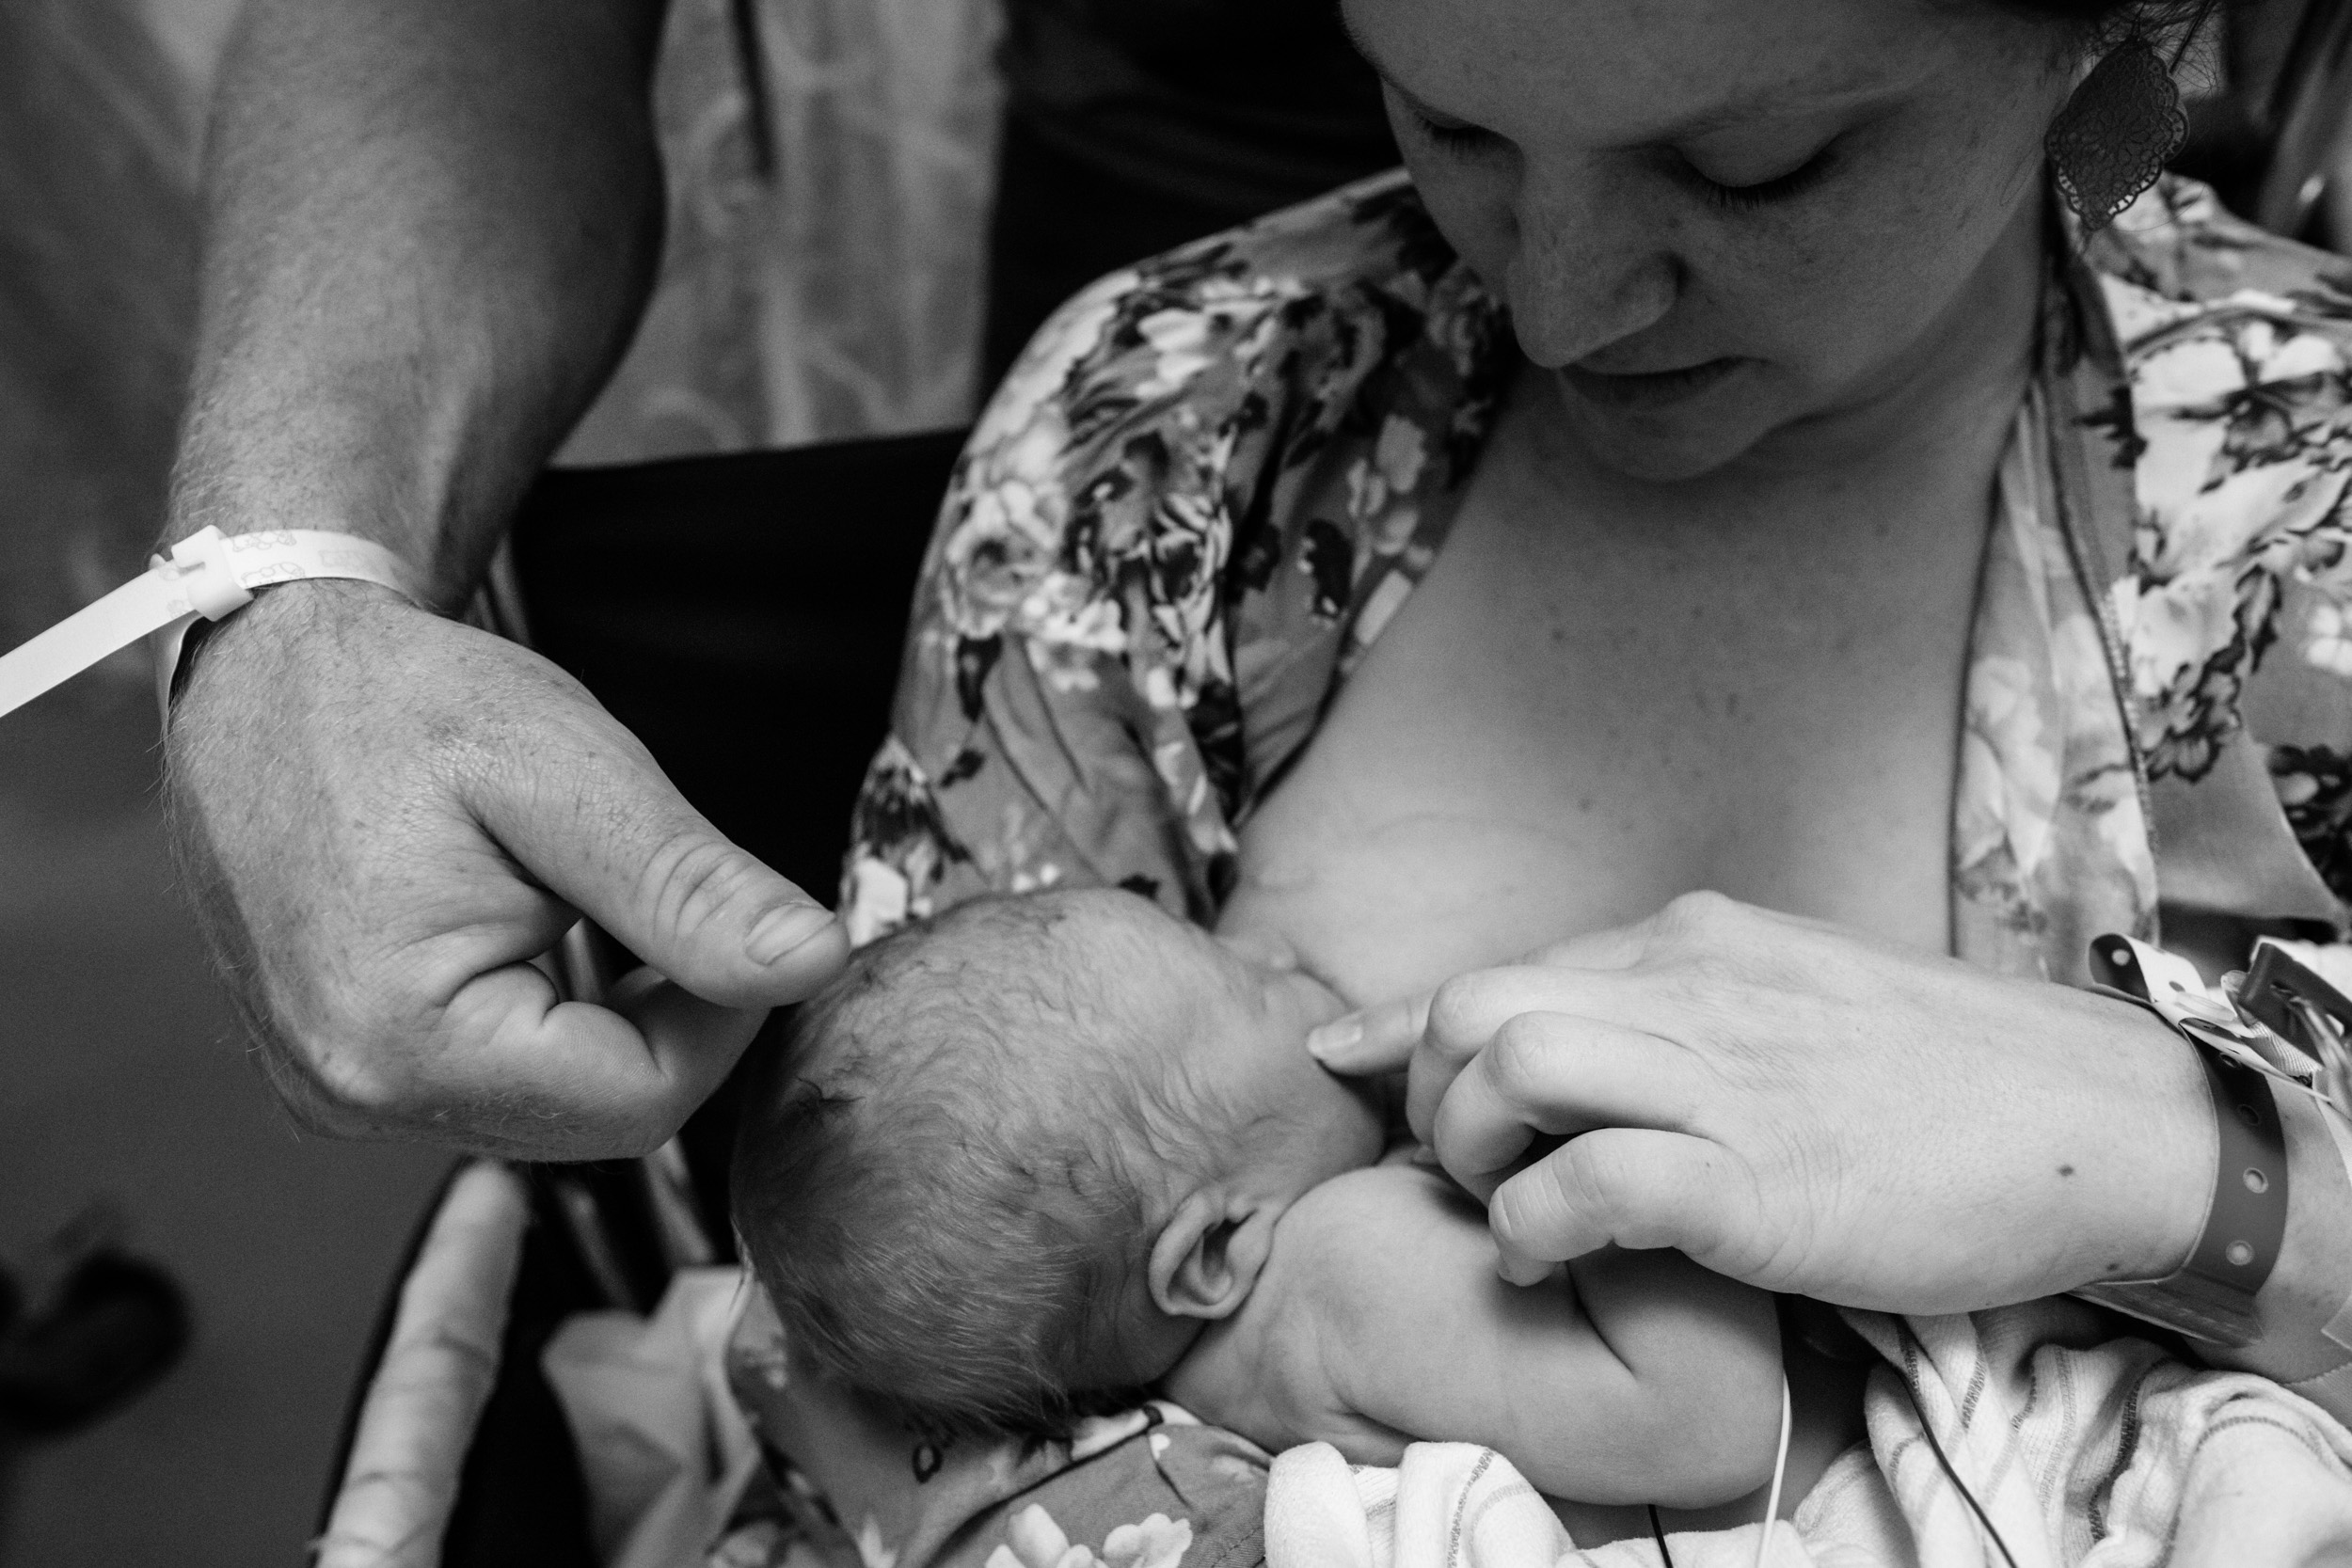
x=2086, y=798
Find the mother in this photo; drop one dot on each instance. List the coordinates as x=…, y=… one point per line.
x=1722, y=480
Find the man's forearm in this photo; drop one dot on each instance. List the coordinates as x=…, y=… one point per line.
x=430, y=225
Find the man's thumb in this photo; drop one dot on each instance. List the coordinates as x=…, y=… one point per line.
x=611, y=836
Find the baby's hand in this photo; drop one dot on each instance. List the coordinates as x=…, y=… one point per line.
x=1381, y=1320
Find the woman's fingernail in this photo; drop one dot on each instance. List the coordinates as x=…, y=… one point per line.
x=1327, y=1040
x=1515, y=1270
x=780, y=932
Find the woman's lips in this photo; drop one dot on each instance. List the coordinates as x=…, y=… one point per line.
x=1645, y=390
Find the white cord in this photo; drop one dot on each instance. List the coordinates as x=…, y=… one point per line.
x=1780, y=1471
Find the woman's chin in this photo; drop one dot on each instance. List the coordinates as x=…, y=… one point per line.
x=1664, y=440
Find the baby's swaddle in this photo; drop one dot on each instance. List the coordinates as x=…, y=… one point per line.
x=2081, y=1452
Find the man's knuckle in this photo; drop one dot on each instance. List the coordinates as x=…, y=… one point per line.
x=356, y=1082
x=311, y=1089
x=353, y=1071
x=313, y=1113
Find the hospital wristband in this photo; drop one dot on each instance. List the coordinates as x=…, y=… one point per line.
x=2212, y=1296
x=204, y=577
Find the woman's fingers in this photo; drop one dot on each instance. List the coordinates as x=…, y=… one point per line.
x=1372, y=1041
x=1630, y=1187
x=1467, y=1012
x=1383, y=1038
x=1551, y=1074
x=1618, y=948
x=1812, y=1111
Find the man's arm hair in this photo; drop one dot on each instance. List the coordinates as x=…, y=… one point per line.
x=430, y=226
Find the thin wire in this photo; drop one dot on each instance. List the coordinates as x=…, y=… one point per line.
x=1658, y=1533
x=1927, y=1428
x=1780, y=1473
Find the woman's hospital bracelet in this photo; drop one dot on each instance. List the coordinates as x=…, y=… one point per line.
x=205, y=576
x=2213, y=1296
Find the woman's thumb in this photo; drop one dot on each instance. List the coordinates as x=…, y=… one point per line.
x=1377, y=1039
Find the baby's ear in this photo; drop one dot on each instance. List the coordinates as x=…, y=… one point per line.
x=1208, y=1254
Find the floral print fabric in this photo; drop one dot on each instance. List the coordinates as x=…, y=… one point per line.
x=1210, y=484
x=2234, y=606
x=1149, y=1488
x=2050, y=843
x=1212, y=481
x=1193, y=503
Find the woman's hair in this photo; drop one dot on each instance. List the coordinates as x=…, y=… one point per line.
x=2101, y=21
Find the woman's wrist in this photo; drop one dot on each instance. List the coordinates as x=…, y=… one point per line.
x=2162, y=1143
x=2307, y=1304
x=2267, y=1276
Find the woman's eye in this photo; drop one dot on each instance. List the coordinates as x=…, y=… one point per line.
x=1765, y=192
x=1453, y=135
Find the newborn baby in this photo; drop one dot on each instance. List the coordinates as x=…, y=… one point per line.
x=1041, y=1152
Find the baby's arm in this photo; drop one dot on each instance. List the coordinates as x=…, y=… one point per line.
x=1635, y=1377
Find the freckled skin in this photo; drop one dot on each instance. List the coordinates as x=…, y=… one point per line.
x=1585, y=204
x=1716, y=644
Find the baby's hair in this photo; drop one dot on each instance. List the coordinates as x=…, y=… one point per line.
x=929, y=1177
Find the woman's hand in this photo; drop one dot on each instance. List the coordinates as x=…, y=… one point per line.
x=1805, y=1109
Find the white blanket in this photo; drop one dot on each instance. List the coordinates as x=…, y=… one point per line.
x=2081, y=1454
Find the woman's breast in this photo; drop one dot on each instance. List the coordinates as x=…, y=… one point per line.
x=1541, y=746
x=1392, y=858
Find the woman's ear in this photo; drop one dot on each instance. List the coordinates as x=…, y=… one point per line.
x=1209, y=1254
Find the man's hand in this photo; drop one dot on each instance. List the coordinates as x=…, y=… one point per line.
x=384, y=816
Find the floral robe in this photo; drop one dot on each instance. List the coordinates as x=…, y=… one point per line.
x=1212, y=481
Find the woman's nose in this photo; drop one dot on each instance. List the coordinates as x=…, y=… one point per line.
x=1588, y=270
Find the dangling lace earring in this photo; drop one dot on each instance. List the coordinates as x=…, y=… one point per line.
x=2121, y=126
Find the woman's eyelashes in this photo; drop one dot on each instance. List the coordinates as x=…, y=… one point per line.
x=1454, y=135
x=1462, y=139
x=1766, y=193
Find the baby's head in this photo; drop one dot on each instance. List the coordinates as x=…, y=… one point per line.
x=1018, y=1155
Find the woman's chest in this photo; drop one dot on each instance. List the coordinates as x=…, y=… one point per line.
x=1560, y=732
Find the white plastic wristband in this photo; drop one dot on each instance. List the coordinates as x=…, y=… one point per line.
x=207, y=576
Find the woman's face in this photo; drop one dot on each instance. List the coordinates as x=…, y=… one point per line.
x=1723, y=221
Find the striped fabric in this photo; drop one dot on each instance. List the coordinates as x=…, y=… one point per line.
x=2080, y=1451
